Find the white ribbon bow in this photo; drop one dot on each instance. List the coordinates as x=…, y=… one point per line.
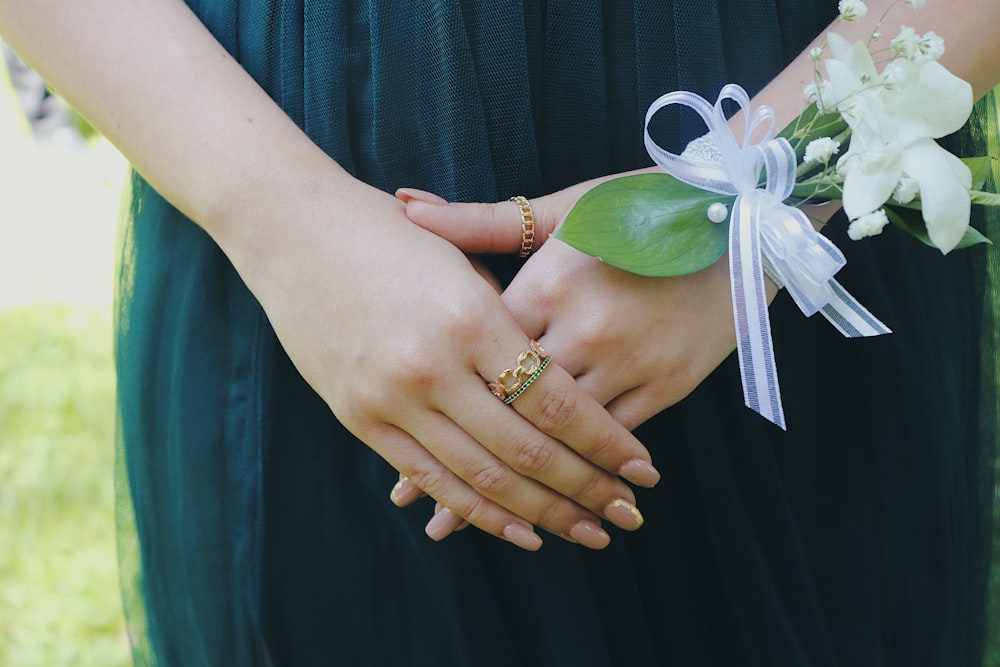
x=763, y=231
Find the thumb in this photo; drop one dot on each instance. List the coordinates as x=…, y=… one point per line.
x=473, y=228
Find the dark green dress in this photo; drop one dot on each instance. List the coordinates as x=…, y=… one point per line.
x=265, y=531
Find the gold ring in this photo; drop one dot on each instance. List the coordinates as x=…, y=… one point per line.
x=512, y=382
x=527, y=224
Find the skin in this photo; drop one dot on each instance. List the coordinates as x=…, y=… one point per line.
x=639, y=345
x=299, y=229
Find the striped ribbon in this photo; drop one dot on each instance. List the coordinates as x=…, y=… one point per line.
x=764, y=235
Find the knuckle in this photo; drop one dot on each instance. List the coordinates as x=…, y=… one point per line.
x=632, y=415
x=604, y=444
x=678, y=379
x=492, y=478
x=592, y=490
x=459, y=321
x=545, y=295
x=361, y=406
x=418, y=373
x=411, y=365
x=535, y=455
x=431, y=478
x=601, y=335
x=554, y=516
x=478, y=511
x=556, y=409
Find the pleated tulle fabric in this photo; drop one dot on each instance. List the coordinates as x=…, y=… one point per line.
x=255, y=530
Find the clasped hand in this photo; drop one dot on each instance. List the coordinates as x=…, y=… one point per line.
x=428, y=333
x=637, y=345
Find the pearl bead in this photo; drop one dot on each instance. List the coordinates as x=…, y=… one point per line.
x=718, y=212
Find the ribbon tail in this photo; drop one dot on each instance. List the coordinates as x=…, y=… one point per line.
x=753, y=326
x=807, y=274
x=849, y=317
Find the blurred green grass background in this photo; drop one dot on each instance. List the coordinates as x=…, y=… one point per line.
x=59, y=599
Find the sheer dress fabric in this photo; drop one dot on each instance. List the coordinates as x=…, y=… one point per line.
x=255, y=530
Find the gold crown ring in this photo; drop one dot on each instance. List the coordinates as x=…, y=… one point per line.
x=514, y=381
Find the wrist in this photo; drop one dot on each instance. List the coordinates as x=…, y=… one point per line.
x=268, y=212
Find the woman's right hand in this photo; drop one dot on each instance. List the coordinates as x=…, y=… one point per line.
x=399, y=334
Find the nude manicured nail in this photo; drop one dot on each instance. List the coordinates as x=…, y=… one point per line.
x=404, y=492
x=640, y=472
x=590, y=535
x=410, y=194
x=442, y=525
x=522, y=536
x=623, y=514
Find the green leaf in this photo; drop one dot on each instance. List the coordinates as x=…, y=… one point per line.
x=985, y=198
x=816, y=190
x=912, y=221
x=649, y=224
x=980, y=168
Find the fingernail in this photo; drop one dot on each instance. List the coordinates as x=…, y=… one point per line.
x=640, y=472
x=442, y=524
x=623, y=514
x=404, y=492
x=522, y=536
x=409, y=194
x=590, y=535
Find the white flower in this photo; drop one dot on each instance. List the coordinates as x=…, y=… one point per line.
x=816, y=54
x=918, y=48
x=869, y=224
x=821, y=150
x=895, y=75
x=906, y=190
x=850, y=71
x=906, y=43
x=852, y=9
x=819, y=94
x=893, y=134
x=931, y=47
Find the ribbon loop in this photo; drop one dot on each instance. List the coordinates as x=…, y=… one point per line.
x=764, y=232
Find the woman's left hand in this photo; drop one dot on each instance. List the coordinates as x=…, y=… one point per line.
x=637, y=344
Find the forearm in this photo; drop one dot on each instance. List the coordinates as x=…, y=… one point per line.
x=972, y=51
x=151, y=78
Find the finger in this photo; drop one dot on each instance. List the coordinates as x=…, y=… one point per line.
x=494, y=479
x=405, y=492
x=443, y=523
x=407, y=195
x=604, y=386
x=634, y=407
x=556, y=405
x=540, y=457
x=452, y=522
x=408, y=456
x=474, y=227
x=533, y=296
